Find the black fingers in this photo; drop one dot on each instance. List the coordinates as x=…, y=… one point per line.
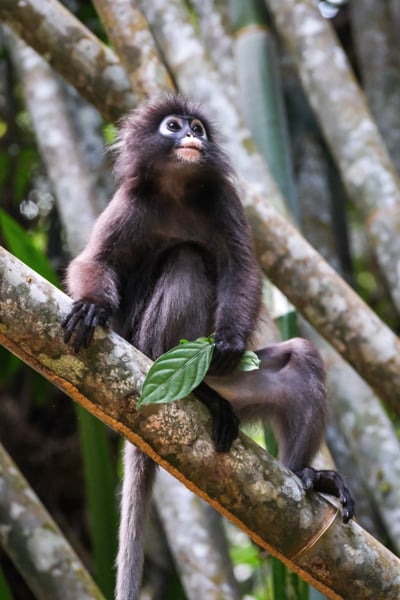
x=329, y=482
x=226, y=357
x=83, y=320
x=225, y=424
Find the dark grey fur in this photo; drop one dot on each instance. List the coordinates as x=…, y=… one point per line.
x=171, y=257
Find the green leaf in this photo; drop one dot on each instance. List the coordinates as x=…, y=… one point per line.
x=249, y=361
x=177, y=372
x=206, y=340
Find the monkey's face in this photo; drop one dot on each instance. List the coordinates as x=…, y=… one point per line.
x=170, y=139
x=188, y=135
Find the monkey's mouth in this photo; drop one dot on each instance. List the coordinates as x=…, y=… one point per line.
x=189, y=150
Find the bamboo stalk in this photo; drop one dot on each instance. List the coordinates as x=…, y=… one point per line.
x=50, y=110
x=260, y=93
x=35, y=544
x=73, y=51
x=351, y=133
x=127, y=29
x=246, y=485
x=377, y=45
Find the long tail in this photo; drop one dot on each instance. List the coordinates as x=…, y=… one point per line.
x=136, y=489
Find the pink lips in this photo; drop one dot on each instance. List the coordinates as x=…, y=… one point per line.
x=190, y=149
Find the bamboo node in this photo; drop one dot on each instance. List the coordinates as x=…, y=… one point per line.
x=330, y=516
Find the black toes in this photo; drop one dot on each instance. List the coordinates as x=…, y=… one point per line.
x=329, y=482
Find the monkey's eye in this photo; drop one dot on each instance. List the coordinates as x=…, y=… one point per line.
x=170, y=126
x=174, y=125
x=198, y=128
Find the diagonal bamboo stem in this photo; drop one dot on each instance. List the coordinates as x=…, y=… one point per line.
x=350, y=131
x=249, y=487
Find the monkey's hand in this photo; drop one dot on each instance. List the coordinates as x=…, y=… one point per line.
x=83, y=319
x=329, y=482
x=226, y=355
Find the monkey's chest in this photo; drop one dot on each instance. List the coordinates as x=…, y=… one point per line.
x=181, y=225
x=172, y=296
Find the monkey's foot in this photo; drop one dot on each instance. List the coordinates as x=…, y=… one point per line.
x=83, y=319
x=329, y=482
x=225, y=424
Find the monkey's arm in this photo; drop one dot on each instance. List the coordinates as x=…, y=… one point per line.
x=92, y=281
x=238, y=292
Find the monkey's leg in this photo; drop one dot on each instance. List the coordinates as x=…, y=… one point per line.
x=288, y=390
x=225, y=424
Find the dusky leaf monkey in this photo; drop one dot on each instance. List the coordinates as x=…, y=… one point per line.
x=171, y=257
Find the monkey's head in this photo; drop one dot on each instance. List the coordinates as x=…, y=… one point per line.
x=171, y=131
x=188, y=135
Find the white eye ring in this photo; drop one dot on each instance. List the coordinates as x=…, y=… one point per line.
x=167, y=127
